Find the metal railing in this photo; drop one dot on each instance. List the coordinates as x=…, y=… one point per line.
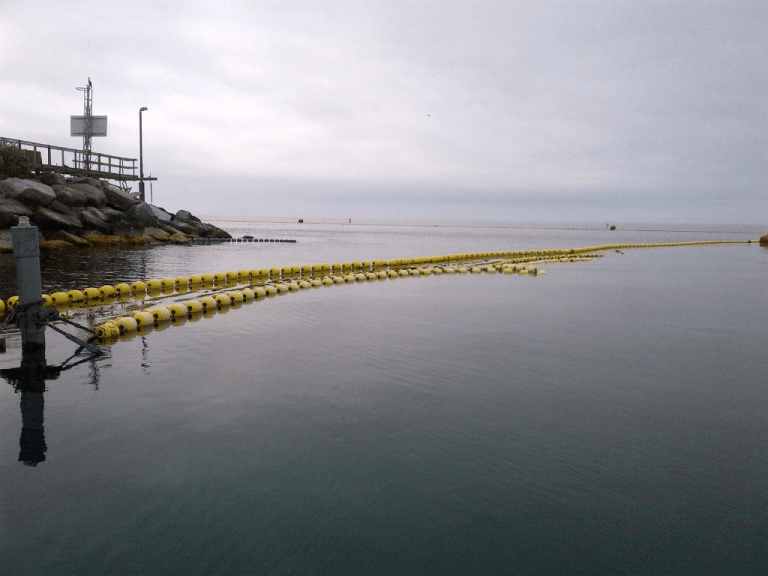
x=76, y=162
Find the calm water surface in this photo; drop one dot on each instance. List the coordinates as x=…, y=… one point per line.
x=607, y=417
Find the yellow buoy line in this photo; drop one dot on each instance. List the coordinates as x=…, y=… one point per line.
x=142, y=301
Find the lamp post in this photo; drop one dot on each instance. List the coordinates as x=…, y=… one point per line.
x=141, y=158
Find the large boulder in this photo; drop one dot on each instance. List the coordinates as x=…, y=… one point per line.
x=185, y=216
x=187, y=228
x=52, y=178
x=90, y=181
x=10, y=210
x=217, y=233
x=93, y=218
x=70, y=196
x=126, y=228
x=67, y=237
x=47, y=219
x=118, y=199
x=162, y=213
x=158, y=234
x=93, y=196
x=113, y=215
x=57, y=206
x=142, y=215
x=28, y=192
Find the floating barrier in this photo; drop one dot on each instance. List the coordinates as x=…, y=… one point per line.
x=262, y=283
x=244, y=239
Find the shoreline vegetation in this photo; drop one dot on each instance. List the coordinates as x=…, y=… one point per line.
x=82, y=212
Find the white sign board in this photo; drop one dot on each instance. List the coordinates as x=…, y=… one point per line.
x=77, y=125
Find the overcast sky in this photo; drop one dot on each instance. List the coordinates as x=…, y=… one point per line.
x=606, y=111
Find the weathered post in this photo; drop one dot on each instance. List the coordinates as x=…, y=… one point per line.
x=30, y=315
x=29, y=308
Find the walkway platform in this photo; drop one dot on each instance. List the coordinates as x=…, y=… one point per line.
x=73, y=162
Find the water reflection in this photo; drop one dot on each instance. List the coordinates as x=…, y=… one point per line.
x=29, y=379
x=77, y=269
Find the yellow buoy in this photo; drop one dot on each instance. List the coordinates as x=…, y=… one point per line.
x=154, y=285
x=107, y=330
x=327, y=281
x=248, y=295
x=244, y=276
x=126, y=324
x=92, y=294
x=177, y=309
x=392, y=274
x=274, y=273
x=75, y=296
x=222, y=301
x=181, y=282
x=281, y=288
x=195, y=280
x=209, y=303
x=11, y=302
x=259, y=292
x=144, y=318
x=167, y=283
x=270, y=290
x=219, y=278
x=108, y=291
x=235, y=296
x=160, y=314
x=193, y=306
x=60, y=298
x=123, y=289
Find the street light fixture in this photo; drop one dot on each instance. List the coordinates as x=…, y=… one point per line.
x=141, y=158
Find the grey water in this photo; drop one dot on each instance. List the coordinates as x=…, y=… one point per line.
x=609, y=417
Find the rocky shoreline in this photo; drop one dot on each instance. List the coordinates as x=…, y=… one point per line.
x=75, y=213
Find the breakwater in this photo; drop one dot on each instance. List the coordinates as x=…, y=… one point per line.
x=75, y=213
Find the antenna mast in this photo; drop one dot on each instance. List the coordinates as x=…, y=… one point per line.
x=87, y=132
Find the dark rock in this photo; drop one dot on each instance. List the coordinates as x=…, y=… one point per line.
x=126, y=228
x=142, y=215
x=218, y=233
x=70, y=196
x=67, y=237
x=162, y=213
x=52, y=178
x=118, y=199
x=186, y=228
x=185, y=216
x=165, y=227
x=34, y=197
x=93, y=218
x=57, y=206
x=93, y=196
x=29, y=192
x=158, y=234
x=49, y=220
x=764, y=240
x=90, y=181
x=113, y=215
x=10, y=210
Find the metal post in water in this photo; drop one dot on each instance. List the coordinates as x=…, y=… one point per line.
x=26, y=250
